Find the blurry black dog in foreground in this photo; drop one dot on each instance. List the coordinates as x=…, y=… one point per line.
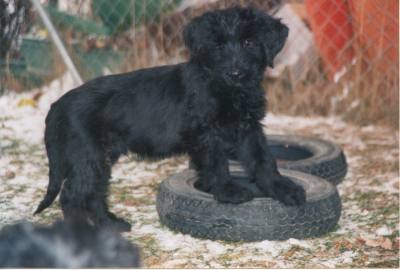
x=208, y=107
x=64, y=245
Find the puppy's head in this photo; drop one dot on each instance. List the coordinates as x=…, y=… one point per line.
x=236, y=44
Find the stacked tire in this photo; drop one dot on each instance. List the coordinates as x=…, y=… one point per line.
x=317, y=165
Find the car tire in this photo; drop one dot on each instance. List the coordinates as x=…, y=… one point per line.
x=309, y=155
x=185, y=209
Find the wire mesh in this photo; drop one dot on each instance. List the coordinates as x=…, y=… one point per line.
x=341, y=56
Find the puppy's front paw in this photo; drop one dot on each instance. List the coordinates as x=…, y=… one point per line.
x=232, y=193
x=286, y=191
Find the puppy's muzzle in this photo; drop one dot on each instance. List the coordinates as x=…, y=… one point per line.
x=234, y=76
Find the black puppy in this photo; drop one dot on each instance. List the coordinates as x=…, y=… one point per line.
x=64, y=245
x=209, y=107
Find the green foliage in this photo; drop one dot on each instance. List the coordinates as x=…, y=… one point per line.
x=119, y=15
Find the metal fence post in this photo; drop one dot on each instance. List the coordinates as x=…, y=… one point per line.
x=57, y=41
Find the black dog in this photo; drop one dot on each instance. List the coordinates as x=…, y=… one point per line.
x=64, y=245
x=209, y=107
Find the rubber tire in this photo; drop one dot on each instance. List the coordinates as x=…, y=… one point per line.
x=327, y=161
x=183, y=208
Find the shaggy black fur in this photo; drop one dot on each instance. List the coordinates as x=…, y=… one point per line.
x=209, y=107
x=64, y=245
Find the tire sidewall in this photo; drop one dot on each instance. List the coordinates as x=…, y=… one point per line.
x=183, y=208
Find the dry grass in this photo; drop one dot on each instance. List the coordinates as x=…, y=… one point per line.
x=364, y=95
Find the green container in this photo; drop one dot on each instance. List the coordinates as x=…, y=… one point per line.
x=77, y=23
x=35, y=65
x=93, y=63
x=115, y=16
x=18, y=71
x=119, y=15
x=38, y=56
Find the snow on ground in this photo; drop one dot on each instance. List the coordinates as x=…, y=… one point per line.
x=367, y=234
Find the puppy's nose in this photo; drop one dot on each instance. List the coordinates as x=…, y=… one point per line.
x=236, y=74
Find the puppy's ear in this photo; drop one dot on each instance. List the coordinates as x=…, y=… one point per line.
x=273, y=34
x=195, y=34
x=188, y=35
x=276, y=40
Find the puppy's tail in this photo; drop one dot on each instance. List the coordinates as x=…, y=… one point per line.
x=55, y=183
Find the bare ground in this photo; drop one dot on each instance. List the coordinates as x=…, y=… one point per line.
x=367, y=234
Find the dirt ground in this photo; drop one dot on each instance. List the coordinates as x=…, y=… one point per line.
x=367, y=234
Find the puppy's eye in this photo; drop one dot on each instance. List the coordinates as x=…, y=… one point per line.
x=248, y=43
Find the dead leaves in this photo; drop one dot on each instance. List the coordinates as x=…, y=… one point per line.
x=288, y=254
x=33, y=101
x=382, y=242
x=371, y=242
x=27, y=102
x=9, y=174
x=343, y=245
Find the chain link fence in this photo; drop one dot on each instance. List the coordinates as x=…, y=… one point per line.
x=341, y=56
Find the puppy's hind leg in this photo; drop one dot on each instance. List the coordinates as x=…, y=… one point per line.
x=80, y=185
x=97, y=208
x=119, y=223
x=84, y=192
x=98, y=205
x=72, y=203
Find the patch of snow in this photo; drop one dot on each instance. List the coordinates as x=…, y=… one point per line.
x=54, y=90
x=343, y=258
x=26, y=122
x=336, y=99
x=353, y=105
x=188, y=3
x=369, y=128
x=339, y=74
x=383, y=231
x=215, y=247
x=348, y=256
x=300, y=243
x=272, y=247
x=175, y=263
